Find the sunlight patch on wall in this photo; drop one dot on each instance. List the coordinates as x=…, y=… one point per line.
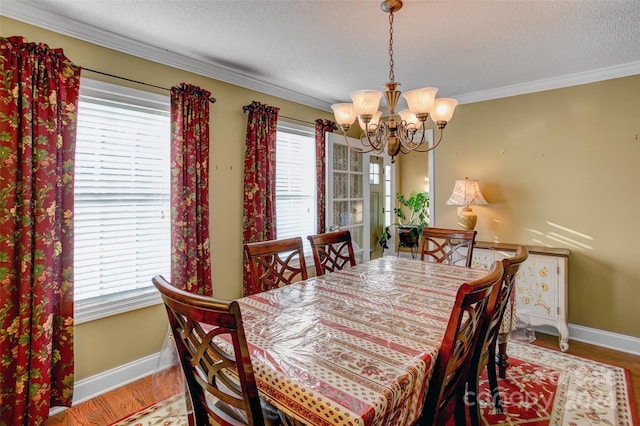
x=571, y=231
x=543, y=238
x=568, y=241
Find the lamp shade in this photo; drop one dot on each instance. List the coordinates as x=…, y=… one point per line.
x=466, y=192
x=366, y=102
x=409, y=117
x=375, y=120
x=344, y=113
x=443, y=109
x=420, y=101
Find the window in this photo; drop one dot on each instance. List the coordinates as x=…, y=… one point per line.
x=374, y=173
x=122, y=196
x=296, y=183
x=388, y=200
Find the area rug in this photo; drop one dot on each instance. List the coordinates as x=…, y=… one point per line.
x=545, y=387
x=542, y=388
x=169, y=412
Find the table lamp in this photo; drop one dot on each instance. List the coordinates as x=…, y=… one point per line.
x=466, y=192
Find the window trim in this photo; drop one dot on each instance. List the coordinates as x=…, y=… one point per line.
x=92, y=309
x=105, y=306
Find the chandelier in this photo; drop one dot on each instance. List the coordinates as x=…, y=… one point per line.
x=400, y=133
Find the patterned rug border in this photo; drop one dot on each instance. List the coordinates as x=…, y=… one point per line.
x=172, y=409
x=583, y=391
x=567, y=407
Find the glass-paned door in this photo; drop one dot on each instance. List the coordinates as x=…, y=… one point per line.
x=348, y=193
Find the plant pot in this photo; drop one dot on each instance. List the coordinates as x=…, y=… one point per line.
x=408, y=236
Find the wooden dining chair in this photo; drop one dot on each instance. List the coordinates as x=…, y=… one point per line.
x=332, y=251
x=275, y=263
x=450, y=246
x=474, y=304
x=485, y=353
x=220, y=381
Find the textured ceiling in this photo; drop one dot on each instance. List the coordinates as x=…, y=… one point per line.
x=318, y=51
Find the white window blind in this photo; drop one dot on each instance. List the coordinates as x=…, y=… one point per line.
x=122, y=199
x=295, y=183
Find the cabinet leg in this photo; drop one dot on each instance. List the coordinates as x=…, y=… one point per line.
x=563, y=337
x=502, y=355
x=563, y=342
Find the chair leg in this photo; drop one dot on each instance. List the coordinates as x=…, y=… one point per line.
x=459, y=414
x=472, y=401
x=493, y=382
x=502, y=355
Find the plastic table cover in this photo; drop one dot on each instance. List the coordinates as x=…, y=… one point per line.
x=353, y=347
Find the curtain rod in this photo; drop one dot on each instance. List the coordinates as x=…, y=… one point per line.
x=296, y=119
x=212, y=100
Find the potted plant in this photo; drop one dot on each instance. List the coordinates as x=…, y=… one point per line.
x=412, y=214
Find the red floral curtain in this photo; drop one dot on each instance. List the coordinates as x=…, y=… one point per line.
x=190, y=250
x=322, y=126
x=259, y=178
x=39, y=99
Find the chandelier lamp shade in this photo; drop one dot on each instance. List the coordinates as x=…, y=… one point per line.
x=398, y=133
x=466, y=192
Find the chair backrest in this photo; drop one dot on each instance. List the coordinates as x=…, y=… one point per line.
x=473, y=306
x=492, y=328
x=450, y=246
x=332, y=251
x=275, y=263
x=219, y=376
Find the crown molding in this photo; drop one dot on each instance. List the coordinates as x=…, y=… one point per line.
x=617, y=71
x=28, y=12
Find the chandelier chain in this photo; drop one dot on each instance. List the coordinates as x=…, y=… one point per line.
x=392, y=77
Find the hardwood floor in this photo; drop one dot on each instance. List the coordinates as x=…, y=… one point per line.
x=109, y=407
x=115, y=405
x=123, y=401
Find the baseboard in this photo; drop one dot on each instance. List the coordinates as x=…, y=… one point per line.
x=593, y=336
x=109, y=380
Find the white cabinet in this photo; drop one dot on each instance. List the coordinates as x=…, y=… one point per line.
x=541, y=283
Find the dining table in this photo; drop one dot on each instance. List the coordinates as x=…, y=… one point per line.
x=355, y=346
